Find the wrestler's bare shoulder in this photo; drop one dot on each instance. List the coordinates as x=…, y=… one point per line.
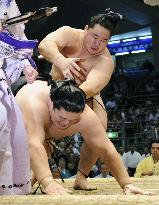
x=32, y=100
x=33, y=95
x=104, y=60
x=33, y=90
x=65, y=34
x=105, y=55
x=75, y=31
x=87, y=119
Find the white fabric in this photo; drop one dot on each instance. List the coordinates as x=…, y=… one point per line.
x=14, y=152
x=132, y=160
x=122, y=157
x=101, y=176
x=145, y=155
x=15, y=66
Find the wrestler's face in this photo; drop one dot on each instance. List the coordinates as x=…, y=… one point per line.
x=63, y=119
x=95, y=39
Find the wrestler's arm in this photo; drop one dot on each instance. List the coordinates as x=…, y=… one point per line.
x=34, y=122
x=51, y=46
x=98, y=77
x=96, y=139
x=54, y=42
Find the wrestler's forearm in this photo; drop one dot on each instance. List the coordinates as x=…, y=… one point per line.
x=50, y=51
x=93, y=85
x=116, y=166
x=89, y=89
x=39, y=163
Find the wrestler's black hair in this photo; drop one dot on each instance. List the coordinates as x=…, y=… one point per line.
x=66, y=94
x=108, y=20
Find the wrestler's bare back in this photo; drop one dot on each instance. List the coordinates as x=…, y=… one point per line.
x=33, y=101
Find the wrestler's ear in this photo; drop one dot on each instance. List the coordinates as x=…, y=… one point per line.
x=50, y=104
x=86, y=28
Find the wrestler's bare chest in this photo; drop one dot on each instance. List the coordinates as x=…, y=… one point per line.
x=86, y=62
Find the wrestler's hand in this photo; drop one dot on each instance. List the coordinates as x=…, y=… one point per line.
x=68, y=66
x=55, y=188
x=30, y=74
x=131, y=189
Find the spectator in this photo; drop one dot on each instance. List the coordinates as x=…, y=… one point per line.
x=121, y=151
x=104, y=171
x=131, y=160
x=65, y=173
x=71, y=167
x=146, y=153
x=55, y=172
x=150, y=165
x=147, y=65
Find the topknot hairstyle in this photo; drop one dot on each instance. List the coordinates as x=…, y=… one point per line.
x=66, y=94
x=108, y=20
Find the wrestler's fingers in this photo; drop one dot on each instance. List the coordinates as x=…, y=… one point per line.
x=75, y=66
x=80, y=77
x=69, y=191
x=149, y=193
x=30, y=80
x=84, y=69
x=76, y=59
x=68, y=75
x=134, y=190
x=29, y=71
x=74, y=71
x=82, y=74
x=64, y=192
